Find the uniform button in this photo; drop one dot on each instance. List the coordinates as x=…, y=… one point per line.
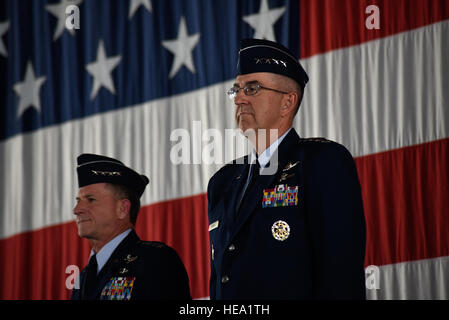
x=231, y=247
x=224, y=279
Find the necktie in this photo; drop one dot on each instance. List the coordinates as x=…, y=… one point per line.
x=253, y=174
x=91, y=277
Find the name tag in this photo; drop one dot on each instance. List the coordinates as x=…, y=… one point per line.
x=213, y=225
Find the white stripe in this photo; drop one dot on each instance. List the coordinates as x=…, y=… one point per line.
x=38, y=170
x=381, y=95
x=421, y=279
x=38, y=175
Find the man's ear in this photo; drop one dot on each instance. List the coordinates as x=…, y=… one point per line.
x=289, y=102
x=124, y=208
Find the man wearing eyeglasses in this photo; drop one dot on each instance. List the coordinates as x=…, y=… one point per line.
x=285, y=221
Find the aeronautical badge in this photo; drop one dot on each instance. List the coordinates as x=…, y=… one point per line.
x=280, y=196
x=123, y=270
x=280, y=230
x=118, y=288
x=129, y=258
x=285, y=176
x=290, y=165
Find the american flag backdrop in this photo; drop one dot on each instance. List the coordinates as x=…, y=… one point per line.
x=136, y=70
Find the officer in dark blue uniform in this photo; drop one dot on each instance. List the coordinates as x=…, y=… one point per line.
x=286, y=221
x=121, y=266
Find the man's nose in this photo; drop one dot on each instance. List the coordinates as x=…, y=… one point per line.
x=240, y=97
x=78, y=209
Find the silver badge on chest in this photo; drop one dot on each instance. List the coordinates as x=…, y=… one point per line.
x=280, y=230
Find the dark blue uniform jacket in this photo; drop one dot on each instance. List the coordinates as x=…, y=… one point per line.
x=321, y=252
x=153, y=270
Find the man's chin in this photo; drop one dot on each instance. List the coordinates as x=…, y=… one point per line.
x=83, y=233
x=248, y=132
x=245, y=128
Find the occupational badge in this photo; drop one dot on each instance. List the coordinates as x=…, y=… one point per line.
x=290, y=165
x=285, y=176
x=118, y=288
x=123, y=270
x=129, y=258
x=280, y=196
x=280, y=230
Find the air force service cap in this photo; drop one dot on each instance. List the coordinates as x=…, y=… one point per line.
x=258, y=55
x=94, y=168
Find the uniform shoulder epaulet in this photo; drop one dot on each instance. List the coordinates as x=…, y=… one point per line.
x=154, y=244
x=316, y=139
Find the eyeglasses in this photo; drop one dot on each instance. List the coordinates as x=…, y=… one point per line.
x=249, y=89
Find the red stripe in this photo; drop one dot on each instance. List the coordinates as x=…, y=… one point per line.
x=406, y=201
x=332, y=24
x=33, y=263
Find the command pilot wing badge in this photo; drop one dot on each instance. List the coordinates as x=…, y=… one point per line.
x=290, y=165
x=129, y=258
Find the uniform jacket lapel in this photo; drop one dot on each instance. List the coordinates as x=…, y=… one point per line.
x=234, y=192
x=239, y=180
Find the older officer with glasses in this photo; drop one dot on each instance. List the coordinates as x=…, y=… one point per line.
x=298, y=233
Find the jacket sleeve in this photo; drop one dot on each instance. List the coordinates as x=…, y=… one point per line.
x=336, y=223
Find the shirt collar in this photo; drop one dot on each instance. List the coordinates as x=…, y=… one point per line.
x=105, y=253
x=265, y=157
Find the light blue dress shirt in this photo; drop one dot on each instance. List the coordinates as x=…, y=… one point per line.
x=265, y=156
x=105, y=253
